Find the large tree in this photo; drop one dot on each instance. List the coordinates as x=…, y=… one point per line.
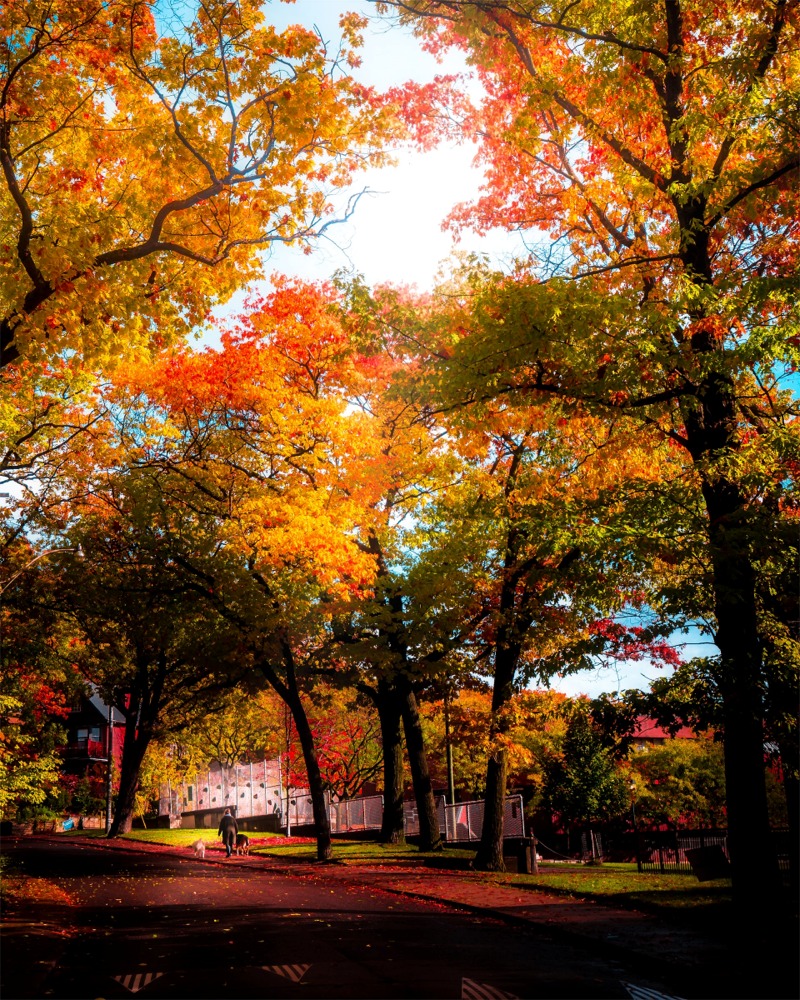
x=256, y=441
x=650, y=153
x=148, y=157
x=147, y=644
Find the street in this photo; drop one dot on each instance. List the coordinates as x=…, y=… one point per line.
x=164, y=926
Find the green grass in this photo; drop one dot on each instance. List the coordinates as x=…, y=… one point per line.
x=183, y=838
x=363, y=852
x=622, y=884
x=170, y=838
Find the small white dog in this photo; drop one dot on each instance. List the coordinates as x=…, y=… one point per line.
x=199, y=849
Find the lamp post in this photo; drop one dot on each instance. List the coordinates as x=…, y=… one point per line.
x=109, y=766
x=451, y=788
x=632, y=787
x=288, y=725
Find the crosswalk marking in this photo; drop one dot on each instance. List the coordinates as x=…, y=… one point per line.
x=136, y=981
x=293, y=972
x=643, y=993
x=470, y=990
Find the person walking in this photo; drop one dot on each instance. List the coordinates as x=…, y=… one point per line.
x=228, y=828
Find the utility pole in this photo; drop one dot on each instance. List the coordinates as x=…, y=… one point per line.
x=451, y=787
x=109, y=765
x=288, y=726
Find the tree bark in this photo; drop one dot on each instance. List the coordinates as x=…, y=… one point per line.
x=711, y=432
x=430, y=835
x=489, y=857
x=288, y=690
x=392, y=825
x=138, y=734
x=322, y=822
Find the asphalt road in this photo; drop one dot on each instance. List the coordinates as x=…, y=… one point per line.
x=121, y=924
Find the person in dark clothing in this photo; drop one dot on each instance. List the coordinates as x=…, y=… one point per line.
x=228, y=829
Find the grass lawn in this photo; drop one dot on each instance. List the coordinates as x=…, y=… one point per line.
x=183, y=838
x=622, y=884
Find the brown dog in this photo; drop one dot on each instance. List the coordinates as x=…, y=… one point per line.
x=242, y=844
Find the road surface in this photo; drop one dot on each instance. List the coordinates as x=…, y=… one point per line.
x=117, y=924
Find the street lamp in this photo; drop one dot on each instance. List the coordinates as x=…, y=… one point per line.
x=632, y=786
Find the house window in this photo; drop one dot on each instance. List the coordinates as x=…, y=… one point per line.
x=94, y=734
x=190, y=792
x=83, y=735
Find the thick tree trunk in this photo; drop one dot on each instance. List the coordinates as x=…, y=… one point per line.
x=756, y=880
x=288, y=690
x=791, y=789
x=322, y=822
x=134, y=747
x=429, y=833
x=392, y=826
x=489, y=857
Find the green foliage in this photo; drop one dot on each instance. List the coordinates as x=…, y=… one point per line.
x=680, y=783
x=583, y=783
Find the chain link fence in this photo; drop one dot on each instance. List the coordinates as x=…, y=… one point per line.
x=464, y=820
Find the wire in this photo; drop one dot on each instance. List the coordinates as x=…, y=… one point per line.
x=550, y=849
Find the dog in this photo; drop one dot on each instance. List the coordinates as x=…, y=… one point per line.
x=199, y=849
x=242, y=843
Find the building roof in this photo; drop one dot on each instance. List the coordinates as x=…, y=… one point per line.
x=649, y=729
x=97, y=702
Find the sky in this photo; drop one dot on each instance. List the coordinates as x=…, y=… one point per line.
x=396, y=234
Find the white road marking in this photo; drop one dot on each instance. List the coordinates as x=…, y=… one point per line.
x=136, y=981
x=293, y=972
x=470, y=990
x=643, y=993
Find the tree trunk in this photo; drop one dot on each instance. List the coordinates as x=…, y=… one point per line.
x=322, y=821
x=392, y=826
x=710, y=431
x=137, y=739
x=791, y=789
x=430, y=836
x=489, y=857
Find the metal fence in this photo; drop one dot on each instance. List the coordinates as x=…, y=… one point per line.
x=464, y=820
x=665, y=850
x=298, y=809
x=411, y=816
x=352, y=815
x=248, y=789
x=253, y=790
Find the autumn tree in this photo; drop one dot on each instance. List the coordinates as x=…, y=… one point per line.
x=256, y=441
x=650, y=155
x=147, y=643
x=38, y=684
x=148, y=159
x=347, y=736
x=248, y=726
x=392, y=640
x=45, y=410
x=543, y=558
